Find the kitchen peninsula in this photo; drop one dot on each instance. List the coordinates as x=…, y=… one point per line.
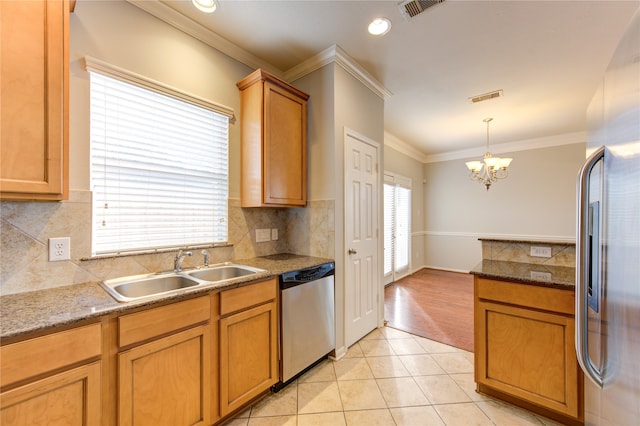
x=524, y=327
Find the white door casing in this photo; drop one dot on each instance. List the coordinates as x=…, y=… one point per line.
x=362, y=278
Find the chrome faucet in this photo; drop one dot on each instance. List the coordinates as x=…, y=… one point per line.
x=177, y=264
x=206, y=255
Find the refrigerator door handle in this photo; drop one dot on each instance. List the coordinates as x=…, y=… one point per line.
x=583, y=268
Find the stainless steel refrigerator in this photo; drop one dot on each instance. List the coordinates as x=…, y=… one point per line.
x=608, y=243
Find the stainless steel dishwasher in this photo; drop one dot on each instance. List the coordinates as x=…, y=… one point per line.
x=307, y=324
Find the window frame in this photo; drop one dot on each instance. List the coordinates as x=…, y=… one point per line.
x=107, y=70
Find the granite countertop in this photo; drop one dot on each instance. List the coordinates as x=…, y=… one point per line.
x=527, y=273
x=38, y=311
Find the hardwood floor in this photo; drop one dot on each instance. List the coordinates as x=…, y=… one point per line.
x=434, y=304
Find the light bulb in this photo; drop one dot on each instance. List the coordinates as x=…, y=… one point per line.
x=206, y=6
x=379, y=26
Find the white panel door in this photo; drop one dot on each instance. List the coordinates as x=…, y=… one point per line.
x=362, y=283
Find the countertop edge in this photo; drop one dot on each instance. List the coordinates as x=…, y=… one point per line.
x=561, y=277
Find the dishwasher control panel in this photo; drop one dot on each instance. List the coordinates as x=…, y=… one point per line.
x=290, y=279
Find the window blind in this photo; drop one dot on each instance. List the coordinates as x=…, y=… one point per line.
x=397, y=225
x=402, y=227
x=389, y=208
x=159, y=170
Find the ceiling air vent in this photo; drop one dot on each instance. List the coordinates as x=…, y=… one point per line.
x=410, y=9
x=487, y=96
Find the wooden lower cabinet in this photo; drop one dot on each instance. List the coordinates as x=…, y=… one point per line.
x=68, y=398
x=166, y=380
x=524, y=347
x=248, y=344
x=53, y=379
x=191, y=362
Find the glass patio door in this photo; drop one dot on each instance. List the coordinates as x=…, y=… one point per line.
x=397, y=227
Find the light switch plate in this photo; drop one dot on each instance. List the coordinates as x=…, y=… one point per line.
x=541, y=276
x=59, y=249
x=263, y=235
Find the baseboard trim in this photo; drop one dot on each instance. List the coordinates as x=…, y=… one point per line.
x=439, y=268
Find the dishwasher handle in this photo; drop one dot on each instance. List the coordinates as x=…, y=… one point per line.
x=302, y=276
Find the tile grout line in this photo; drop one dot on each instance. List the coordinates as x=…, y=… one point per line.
x=395, y=355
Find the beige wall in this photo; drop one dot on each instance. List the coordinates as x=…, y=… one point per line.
x=320, y=132
x=537, y=201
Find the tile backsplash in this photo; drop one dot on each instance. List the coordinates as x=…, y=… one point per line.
x=562, y=254
x=27, y=226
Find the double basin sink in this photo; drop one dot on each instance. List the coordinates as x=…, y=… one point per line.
x=127, y=289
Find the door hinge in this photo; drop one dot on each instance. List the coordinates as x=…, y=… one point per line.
x=377, y=232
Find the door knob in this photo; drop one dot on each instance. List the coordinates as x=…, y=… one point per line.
x=352, y=251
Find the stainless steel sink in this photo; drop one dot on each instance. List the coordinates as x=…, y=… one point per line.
x=136, y=287
x=217, y=273
x=132, y=288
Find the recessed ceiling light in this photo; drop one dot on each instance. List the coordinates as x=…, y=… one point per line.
x=379, y=26
x=206, y=6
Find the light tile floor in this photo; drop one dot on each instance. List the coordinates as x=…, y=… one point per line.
x=388, y=378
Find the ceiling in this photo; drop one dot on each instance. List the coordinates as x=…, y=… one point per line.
x=547, y=56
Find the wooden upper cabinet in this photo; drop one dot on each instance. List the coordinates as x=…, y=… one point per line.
x=34, y=99
x=274, y=142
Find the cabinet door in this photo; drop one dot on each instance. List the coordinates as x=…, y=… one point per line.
x=528, y=354
x=248, y=355
x=34, y=106
x=69, y=398
x=285, y=148
x=167, y=381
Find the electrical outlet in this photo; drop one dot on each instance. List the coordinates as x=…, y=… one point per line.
x=541, y=276
x=59, y=249
x=274, y=234
x=537, y=251
x=263, y=235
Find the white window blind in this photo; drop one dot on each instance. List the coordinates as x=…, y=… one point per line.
x=389, y=208
x=397, y=226
x=402, y=227
x=159, y=170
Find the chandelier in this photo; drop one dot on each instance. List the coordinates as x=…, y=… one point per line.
x=491, y=168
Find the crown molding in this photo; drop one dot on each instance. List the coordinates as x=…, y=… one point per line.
x=403, y=147
x=335, y=54
x=205, y=35
x=523, y=145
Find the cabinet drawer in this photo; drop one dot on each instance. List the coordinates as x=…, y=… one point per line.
x=247, y=296
x=536, y=297
x=47, y=353
x=68, y=398
x=154, y=322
